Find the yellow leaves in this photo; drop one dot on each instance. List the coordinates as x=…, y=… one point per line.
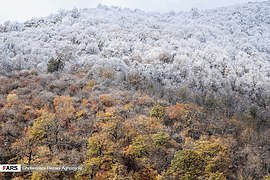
x=41, y=155
x=103, y=146
x=209, y=149
x=148, y=125
x=23, y=160
x=216, y=176
x=38, y=130
x=64, y=106
x=106, y=114
x=214, y=152
x=80, y=114
x=113, y=132
x=216, y=155
x=98, y=167
x=91, y=83
x=96, y=145
x=100, y=155
x=93, y=161
x=11, y=98
x=110, y=126
x=43, y=151
x=187, y=164
x=15, y=178
x=138, y=148
x=128, y=150
x=37, y=176
x=157, y=111
x=128, y=106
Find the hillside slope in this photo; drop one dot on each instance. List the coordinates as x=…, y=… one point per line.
x=65, y=119
x=126, y=94
x=219, y=50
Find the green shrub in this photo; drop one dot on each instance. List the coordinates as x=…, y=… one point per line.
x=55, y=65
x=187, y=164
x=139, y=147
x=160, y=139
x=157, y=111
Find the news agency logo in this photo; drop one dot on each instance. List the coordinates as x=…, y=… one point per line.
x=10, y=168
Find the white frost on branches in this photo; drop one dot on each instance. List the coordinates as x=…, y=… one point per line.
x=218, y=50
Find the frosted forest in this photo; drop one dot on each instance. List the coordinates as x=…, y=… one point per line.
x=222, y=50
x=130, y=94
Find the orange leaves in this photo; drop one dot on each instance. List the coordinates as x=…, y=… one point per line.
x=64, y=107
x=183, y=111
x=106, y=100
x=29, y=113
x=174, y=111
x=84, y=102
x=147, y=125
x=147, y=173
x=145, y=100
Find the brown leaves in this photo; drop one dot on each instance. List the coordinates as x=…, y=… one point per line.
x=106, y=100
x=64, y=107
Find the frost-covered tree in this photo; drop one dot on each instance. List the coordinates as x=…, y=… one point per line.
x=219, y=50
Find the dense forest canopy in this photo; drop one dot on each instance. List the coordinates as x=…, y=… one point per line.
x=128, y=94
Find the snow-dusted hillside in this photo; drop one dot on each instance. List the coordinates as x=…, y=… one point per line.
x=218, y=50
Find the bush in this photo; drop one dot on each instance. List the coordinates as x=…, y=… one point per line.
x=187, y=164
x=58, y=63
x=160, y=139
x=157, y=111
x=55, y=65
x=138, y=148
x=106, y=100
x=165, y=57
x=11, y=98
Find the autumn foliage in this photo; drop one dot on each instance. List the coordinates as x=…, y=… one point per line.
x=117, y=134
